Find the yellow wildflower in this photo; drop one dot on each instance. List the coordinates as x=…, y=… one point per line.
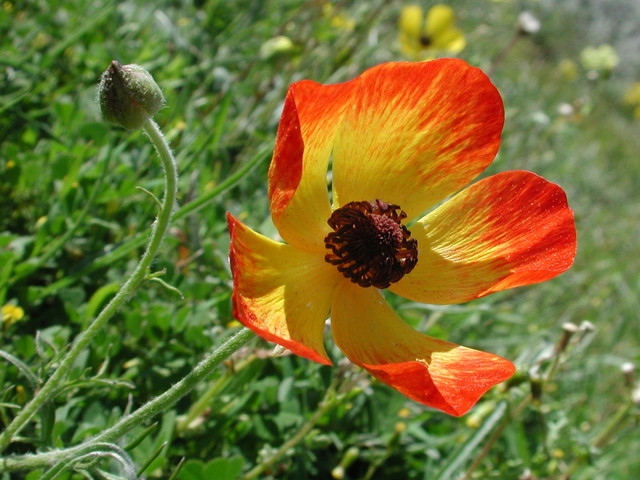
x=423, y=38
x=632, y=97
x=10, y=314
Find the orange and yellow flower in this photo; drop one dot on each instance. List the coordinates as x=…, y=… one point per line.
x=425, y=37
x=398, y=140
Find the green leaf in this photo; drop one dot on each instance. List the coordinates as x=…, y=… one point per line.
x=223, y=468
x=192, y=470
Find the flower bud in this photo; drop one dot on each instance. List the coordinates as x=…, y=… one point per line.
x=128, y=95
x=349, y=457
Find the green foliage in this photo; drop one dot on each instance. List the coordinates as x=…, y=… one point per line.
x=72, y=226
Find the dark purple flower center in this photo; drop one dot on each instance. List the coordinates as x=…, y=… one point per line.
x=425, y=40
x=369, y=244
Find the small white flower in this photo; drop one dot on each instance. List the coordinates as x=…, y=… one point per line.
x=528, y=23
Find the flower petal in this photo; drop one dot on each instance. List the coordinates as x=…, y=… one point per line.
x=508, y=230
x=280, y=292
x=411, y=20
x=451, y=40
x=298, y=172
x=415, y=133
x=440, y=18
x=440, y=374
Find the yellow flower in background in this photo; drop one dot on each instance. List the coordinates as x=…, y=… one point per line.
x=632, y=98
x=423, y=38
x=10, y=314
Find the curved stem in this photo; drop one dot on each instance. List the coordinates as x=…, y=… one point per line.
x=145, y=412
x=177, y=391
x=134, y=243
x=126, y=291
x=94, y=450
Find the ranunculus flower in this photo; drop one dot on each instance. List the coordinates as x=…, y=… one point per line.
x=423, y=37
x=398, y=140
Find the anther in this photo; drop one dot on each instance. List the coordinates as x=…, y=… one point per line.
x=369, y=244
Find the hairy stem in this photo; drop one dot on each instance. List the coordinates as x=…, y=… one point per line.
x=176, y=392
x=126, y=291
x=142, y=414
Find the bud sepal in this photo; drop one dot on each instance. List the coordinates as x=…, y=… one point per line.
x=128, y=95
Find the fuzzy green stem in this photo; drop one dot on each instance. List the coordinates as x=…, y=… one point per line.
x=179, y=390
x=197, y=409
x=126, y=291
x=202, y=404
x=130, y=245
x=91, y=452
x=142, y=414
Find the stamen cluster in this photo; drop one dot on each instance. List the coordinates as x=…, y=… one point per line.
x=369, y=244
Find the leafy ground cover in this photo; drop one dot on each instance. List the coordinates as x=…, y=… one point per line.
x=73, y=224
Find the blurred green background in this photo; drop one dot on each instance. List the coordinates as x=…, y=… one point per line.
x=573, y=115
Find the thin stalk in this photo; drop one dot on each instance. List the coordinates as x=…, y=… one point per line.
x=134, y=243
x=205, y=399
x=203, y=403
x=142, y=414
x=92, y=451
x=179, y=390
x=497, y=61
x=126, y=291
